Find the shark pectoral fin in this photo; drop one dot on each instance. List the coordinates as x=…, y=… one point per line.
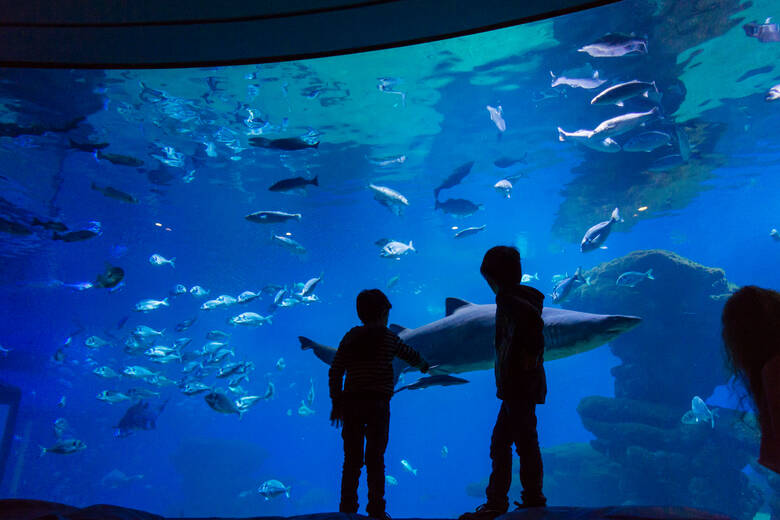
x=453, y=304
x=396, y=328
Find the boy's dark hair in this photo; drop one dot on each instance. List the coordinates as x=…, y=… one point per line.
x=502, y=264
x=371, y=304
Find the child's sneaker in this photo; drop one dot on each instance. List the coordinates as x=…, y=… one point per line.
x=483, y=512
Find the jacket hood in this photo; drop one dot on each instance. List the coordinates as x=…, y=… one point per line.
x=522, y=292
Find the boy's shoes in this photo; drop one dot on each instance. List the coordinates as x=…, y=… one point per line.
x=529, y=505
x=483, y=512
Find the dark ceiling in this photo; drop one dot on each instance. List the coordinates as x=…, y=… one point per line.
x=190, y=33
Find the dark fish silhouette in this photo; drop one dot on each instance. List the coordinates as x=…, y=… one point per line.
x=458, y=207
x=138, y=417
x=110, y=277
x=115, y=194
x=287, y=143
x=506, y=162
x=457, y=175
x=437, y=380
x=186, y=324
x=120, y=160
x=293, y=184
x=14, y=228
x=87, y=147
x=74, y=236
x=14, y=130
x=51, y=225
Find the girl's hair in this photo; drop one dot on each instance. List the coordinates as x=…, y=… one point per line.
x=751, y=334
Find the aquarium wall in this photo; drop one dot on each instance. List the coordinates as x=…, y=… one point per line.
x=179, y=247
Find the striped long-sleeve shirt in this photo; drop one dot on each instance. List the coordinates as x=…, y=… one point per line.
x=366, y=355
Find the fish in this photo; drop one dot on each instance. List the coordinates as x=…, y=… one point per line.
x=51, y=225
x=61, y=427
x=444, y=452
x=87, y=147
x=138, y=417
x=270, y=391
x=156, y=259
x=621, y=124
x=75, y=236
x=389, y=198
x=96, y=342
x=272, y=217
x=293, y=185
x=496, y=115
x=304, y=410
x=387, y=160
x=647, y=141
x=529, y=278
x=219, y=402
x=139, y=372
x=150, y=305
x=597, y=235
x=14, y=228
x=773, y=93
x=119, y=160
x=115, y=194
x=504, y=187
x=470, y=231
x=115, y=478
x=682, y=143
x=106, y=372
x=765, y=32
x=198, y=291
x=396, y=249
x=178, y=290
x=308, y=287
x=565, y=286
x=615, y=45
x=64, y=447
x=58, y=357
x=454, y=178
x=408, y=467
x=109, y=278
x=247, y=401
x=458, y=207
x=506, y=162
x=247, y=296
x=273, y=488
x=583, y=83
x=775, y=235
x=583, y=137
x=142, y=393
x=289, y=144
x=464, y=340
x=632, y=278
x=144, y=332
x=289, y=244
x=616, y=94
x=392, y=281
x=310, y=394
x=666, y=162
x=251, y=319
x=391, y=480
x=699, y=413
x=435, y=380
x=62, y=402
x=195, y=388
x=112, y=396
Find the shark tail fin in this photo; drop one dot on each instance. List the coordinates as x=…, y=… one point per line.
x=306, y=343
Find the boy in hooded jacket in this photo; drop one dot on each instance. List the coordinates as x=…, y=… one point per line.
x=521, y=384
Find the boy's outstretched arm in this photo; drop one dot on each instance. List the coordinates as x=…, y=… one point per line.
x=411, y=356
x=336, y=388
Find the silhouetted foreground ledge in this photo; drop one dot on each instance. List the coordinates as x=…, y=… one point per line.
x=16, y=509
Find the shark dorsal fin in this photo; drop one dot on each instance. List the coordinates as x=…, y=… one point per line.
x=397, y=328
x=453, y=304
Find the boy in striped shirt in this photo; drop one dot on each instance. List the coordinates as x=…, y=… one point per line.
x=362, y=405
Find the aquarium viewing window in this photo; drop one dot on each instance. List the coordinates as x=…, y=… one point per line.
x=189, y=206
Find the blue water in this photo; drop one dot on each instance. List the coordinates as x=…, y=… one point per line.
x=718, y=211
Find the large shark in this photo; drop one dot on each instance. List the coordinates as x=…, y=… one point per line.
x=463, y=341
